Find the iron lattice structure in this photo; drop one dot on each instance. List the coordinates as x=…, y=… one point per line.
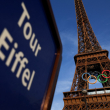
x=91, y=58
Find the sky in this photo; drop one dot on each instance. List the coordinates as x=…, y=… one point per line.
x=98, y=12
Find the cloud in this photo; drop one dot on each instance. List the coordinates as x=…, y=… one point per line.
x=69, y=37
x=63, y=86
x=107, y=23
x=106, y=47
x=70, y=43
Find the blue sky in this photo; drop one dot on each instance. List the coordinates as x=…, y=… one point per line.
x=98, y=12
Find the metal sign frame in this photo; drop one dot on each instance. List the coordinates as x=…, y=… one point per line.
x=47, y=100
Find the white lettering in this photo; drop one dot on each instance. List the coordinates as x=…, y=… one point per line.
x=24, y=14
x=37, y=50
x=18, y=59
x=10, y=57
x=31, y=79
x=5, y=34
x=33, y=46
x=26, y=75
x=22, y=65
x=26, y=26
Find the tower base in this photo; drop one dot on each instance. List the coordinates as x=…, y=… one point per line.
x=96, y=99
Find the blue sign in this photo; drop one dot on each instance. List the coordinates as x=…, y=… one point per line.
x=27, y=54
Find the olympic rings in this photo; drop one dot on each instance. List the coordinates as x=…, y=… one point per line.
x=83, y=75
x=106, y=76
x=102, y=81
x=95, y=77
x=92, y=76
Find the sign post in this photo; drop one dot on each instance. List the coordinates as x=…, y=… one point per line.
x=30, y=55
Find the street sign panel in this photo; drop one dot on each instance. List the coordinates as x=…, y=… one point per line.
x=30, y=55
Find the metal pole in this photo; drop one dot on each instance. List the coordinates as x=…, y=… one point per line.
x=85, y=102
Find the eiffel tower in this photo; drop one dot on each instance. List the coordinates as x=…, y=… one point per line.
x=92, y=59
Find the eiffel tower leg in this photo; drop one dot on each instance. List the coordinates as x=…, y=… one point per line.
x=78, y=82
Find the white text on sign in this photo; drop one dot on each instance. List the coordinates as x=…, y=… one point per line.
x=28, y=36
x=20, y=60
